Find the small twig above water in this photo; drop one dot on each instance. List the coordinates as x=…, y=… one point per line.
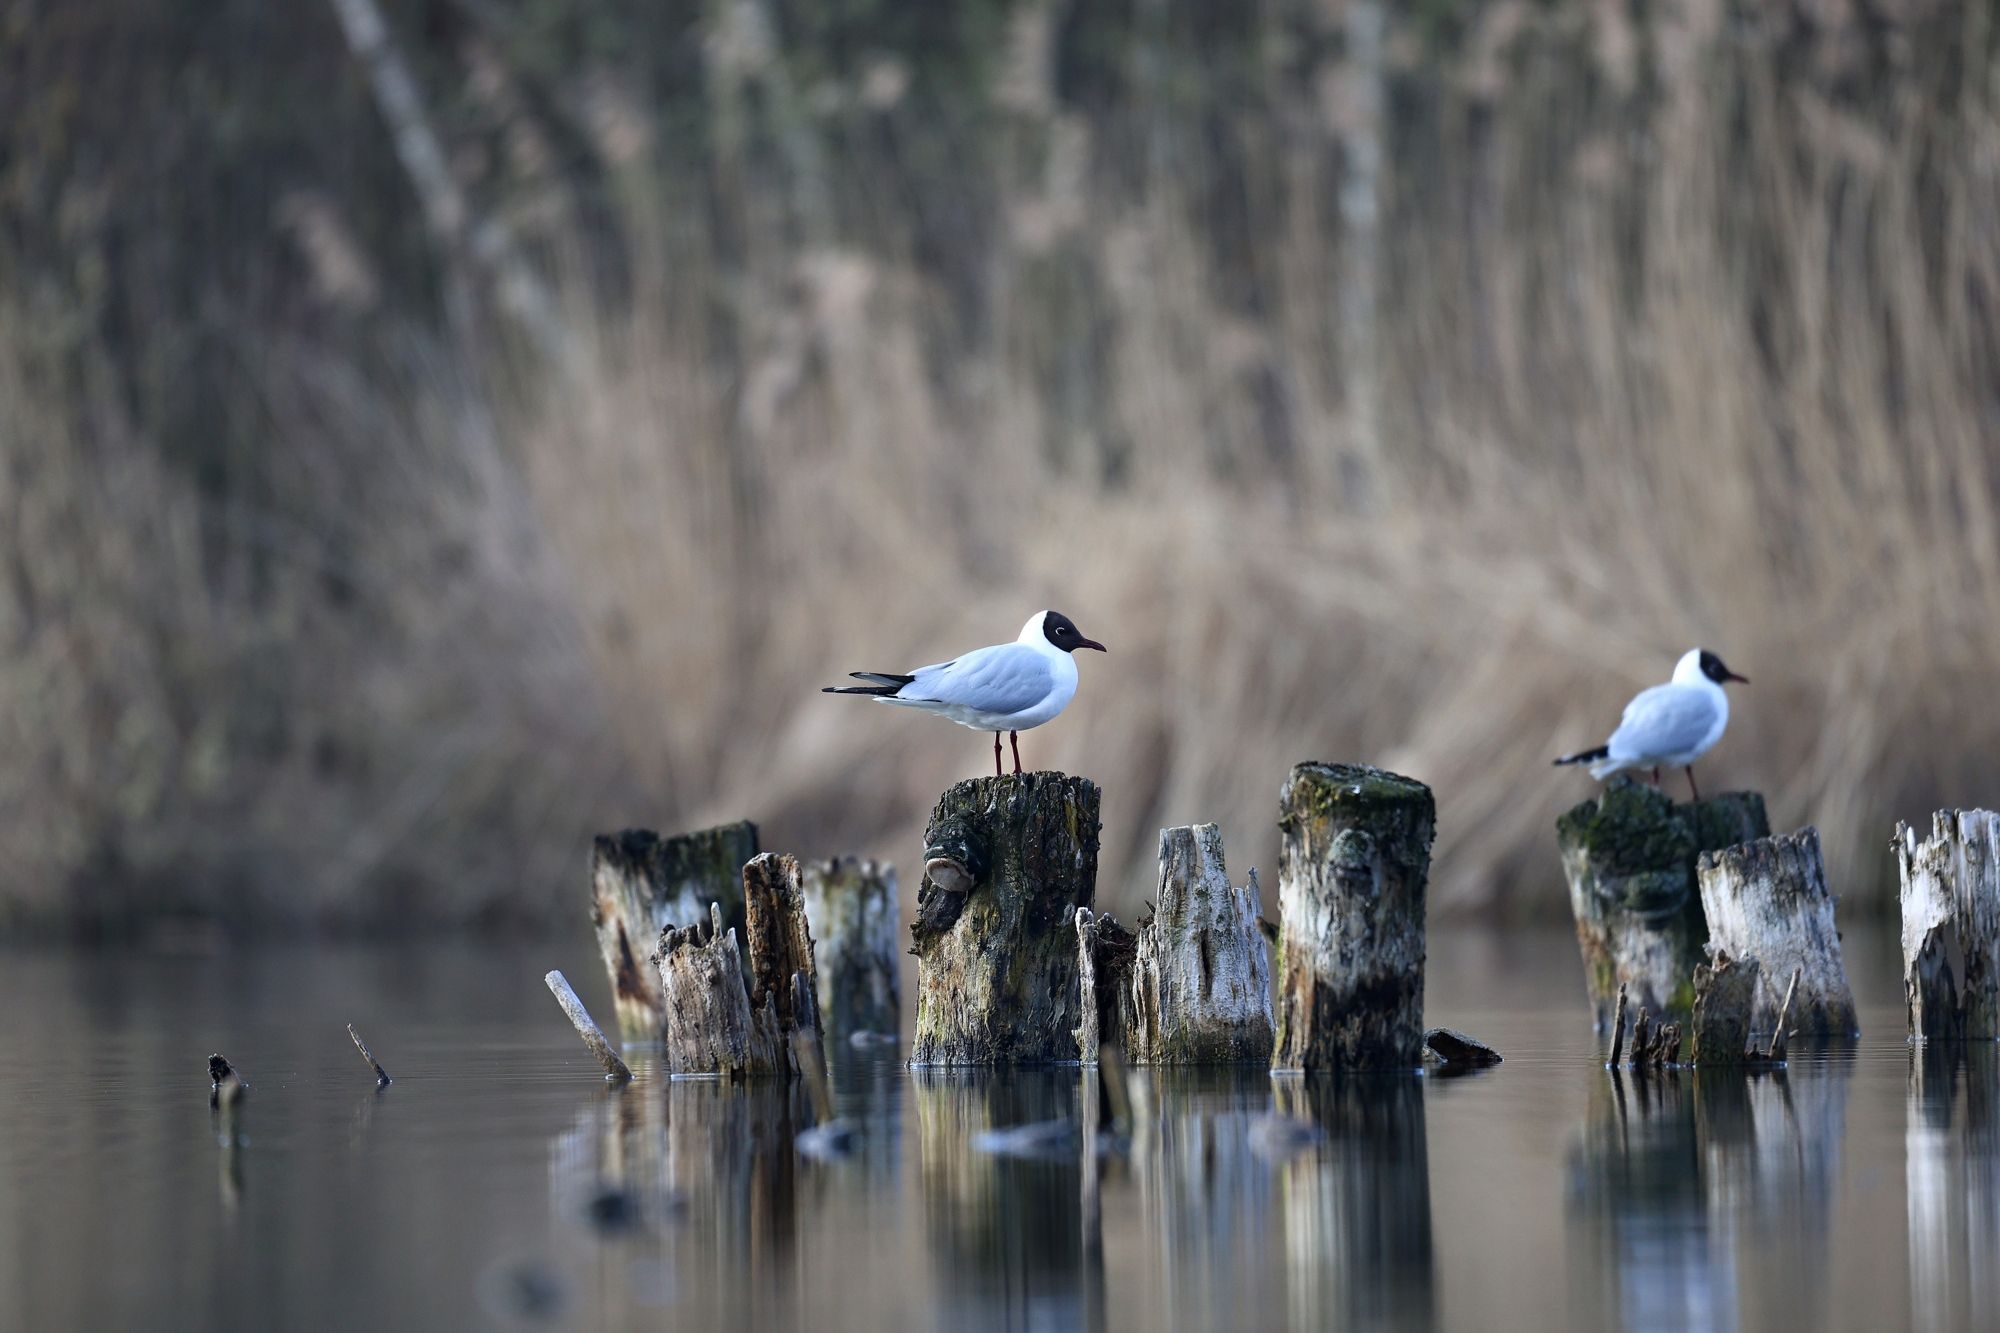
x=226, y=1086
x=382, y=1079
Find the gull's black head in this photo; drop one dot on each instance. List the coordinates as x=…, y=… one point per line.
x=1061, y=631
x=1712, y=667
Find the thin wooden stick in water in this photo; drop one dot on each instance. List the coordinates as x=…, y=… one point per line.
x=1618, y=1027
x=586, y=1027
x=382, y=1079
x=1779, y=1033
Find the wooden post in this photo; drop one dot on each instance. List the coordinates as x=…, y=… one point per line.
x=851, y=907
x=1724, y=992
x=723, y=1020
x=1951, y=925
x=1351, y=870
x=1629, y=856
x=1197, y=986
x=1767, y=900
x=642, y=883
x=1007, y=861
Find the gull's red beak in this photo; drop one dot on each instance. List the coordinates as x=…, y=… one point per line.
x=1091, y=643
x=1727, y=674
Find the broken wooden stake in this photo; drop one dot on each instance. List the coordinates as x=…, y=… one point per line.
x=722, y=1019
x=225, y=1086
x=852, y=909
x=1951, y=926
x=1351, y=871
x=586, y=1027
x=1725, y=991
x=1767, y=899
x=1198, y=989
x=1629, y=856
x=1007, y=861
x=642, y=883
x=382, y=1079
x=1618, y=1028
x=828, y=1136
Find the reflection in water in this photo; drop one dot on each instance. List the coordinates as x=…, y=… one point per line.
x=1952, y=1159
x=1357, y=1207
x=1205, y=1199
x=1702, y=1200
x=1638, y=1221
x=1771, y=1147
x=704, y=1175
x=1007, y=1234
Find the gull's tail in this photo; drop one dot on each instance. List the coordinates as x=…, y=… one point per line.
x=881, y=684
x=1586, y=756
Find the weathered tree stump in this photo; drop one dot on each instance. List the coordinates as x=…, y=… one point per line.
x=1629, y=856
x=1104, y=954
x=1194, y=985
x=642, y=883
x=1718, y=1026
x=1951, y=925
x=707, y=1003
x=1767, y=900
x=1351, y=871
x=1725, y=992
x=721, y=1020
x=851, y=907
x=1007, y=861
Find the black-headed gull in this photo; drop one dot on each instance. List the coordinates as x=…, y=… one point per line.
x=1009, y=687
x=1672, y=724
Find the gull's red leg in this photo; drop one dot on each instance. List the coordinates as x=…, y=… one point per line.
x=1656, y=775
x=1691, y=787
x=1014, y=739
x=996, y=754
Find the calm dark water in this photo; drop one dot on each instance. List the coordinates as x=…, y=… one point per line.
x=1859, y=1190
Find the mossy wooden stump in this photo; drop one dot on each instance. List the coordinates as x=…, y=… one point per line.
x=1766, y=901
x=1629, y=856
x=723, y=1020
x=1194, y=985
x=851, y=906
x=642, y=883
x=1352, y=864
x=1007, y=861
x=1951, y=926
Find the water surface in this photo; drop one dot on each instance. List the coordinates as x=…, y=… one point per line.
x=499, y=1183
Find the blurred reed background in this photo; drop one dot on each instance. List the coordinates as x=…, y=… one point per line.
x=1396, y=383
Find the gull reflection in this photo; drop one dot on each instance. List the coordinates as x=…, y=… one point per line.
x=1952, y=1160
x=1357, y=1205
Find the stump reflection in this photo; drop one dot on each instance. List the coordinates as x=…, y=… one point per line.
x=1008, y=1235
x=1703, y=1199
x=1357, y=1206
x=1953, y=1169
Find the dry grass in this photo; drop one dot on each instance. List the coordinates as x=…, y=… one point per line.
x=1765, y=427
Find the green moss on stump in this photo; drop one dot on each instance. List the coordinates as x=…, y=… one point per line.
x=1630, y=856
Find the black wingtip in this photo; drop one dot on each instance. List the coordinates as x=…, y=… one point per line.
x=1585, y=756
